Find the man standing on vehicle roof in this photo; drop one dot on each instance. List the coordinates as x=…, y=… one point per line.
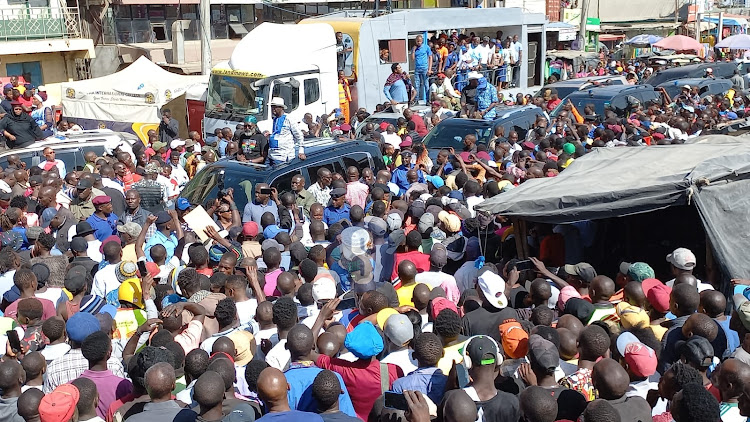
x=341, y=51
x=517, y=53
x=284, y=136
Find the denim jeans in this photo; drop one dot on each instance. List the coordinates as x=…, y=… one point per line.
x=420, y=84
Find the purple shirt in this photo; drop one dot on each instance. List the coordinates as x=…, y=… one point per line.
x=270, y=287
x=110, y=388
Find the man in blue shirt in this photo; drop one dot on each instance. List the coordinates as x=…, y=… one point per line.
x=262, y=204
x=486, y=99
x=302, y=372
x=338, y=210
x=168, y=233
x=428, y=378
x=401, y=173
x=422, y=57
x=103, y=220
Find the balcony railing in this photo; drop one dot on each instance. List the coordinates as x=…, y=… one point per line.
x=35, y=23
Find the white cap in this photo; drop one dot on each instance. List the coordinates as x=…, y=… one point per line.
x=354, y=242
x=682, y=258
x=686, y=87
x=324, y=288
x=176, y=143
x=493, y=287
x=474, y=75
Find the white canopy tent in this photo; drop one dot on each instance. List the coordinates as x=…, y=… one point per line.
x=135, y=94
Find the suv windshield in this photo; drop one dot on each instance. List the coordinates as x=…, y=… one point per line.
x=451, y=132
x=236, y=94
x=580, y=102
x=205, y=185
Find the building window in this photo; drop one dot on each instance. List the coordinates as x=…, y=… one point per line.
x=31, y=71
x=392, y=51
x=312, y=91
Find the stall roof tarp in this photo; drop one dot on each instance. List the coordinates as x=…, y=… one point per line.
x=134, y=94
x=713, y=174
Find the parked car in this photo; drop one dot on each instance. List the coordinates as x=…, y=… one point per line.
x=69, y=147
x=706, y=86
x=720, y=70
x=389, y=116
x=243, y=176
x=565, y=88
x=612, y=97
x=450, y=132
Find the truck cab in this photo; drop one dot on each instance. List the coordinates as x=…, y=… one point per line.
x=256, y=72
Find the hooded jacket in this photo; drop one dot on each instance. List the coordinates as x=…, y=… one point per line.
x=23, y=127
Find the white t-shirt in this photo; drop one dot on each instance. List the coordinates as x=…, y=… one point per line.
x=106, y=283
x=246, y=311
x=402, y=358
x=391, y=139
x=279, y=357
x=271, y=334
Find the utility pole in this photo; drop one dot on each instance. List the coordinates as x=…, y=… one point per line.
x=205, y=32
x=582, y=28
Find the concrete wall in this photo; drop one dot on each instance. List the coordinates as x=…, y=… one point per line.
x=107, y=61
x=56, y=67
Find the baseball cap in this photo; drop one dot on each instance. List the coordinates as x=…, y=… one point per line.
x=566, y=293
x=383, y=315
x=657, y=294
x=242, y=340
x=514, y=338
x=176, y=143
x=493, y=288
x=364, y=341
x=579, y=308
x=324, y=288
x=75, y=278
x=482, y=350
x=439, y=255
x=250, y=229
x=451, y=221
x=641, y=359
x=271, y=231
x=640, y=271
x=271, y=243
x=80, y=325
x=41, y=271
x=682, y=258
x=632, y=316
x=60, y=404
x=398, y=329
x=163, y=217
x=742, y=307
x=582, y=270
x=394, y=220
x=395, y=239
x=182, y=204
x=697, y=350
x=84, y=184
x=354, y=241
x=624, y=267
x=133, y=229
x=426, y=222
x=440, y=304
x=377, y=226
x=543, y=353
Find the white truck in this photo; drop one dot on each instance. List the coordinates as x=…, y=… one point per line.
x=294, y=62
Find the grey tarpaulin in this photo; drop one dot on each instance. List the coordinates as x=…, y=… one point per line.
x=615, y=182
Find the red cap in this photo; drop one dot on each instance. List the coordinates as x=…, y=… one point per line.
x=641, y=359
x=383, y=125
x=440, y=304
x=406, y=142
x=658, y=135
x=250, y=229
x=111, y=238
x=657, y=294
x=152, y=268
x=60, y=404
x=465, y=156
x=528, y=145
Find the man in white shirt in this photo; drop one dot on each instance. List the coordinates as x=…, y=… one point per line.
x=517, y=53
x=391, y=137
x=51, y=162
x=442, y=88
x=486, y=51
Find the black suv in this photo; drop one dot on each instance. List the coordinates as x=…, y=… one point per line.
x=719, y=69
x=612, y=97
x=242, y=176
x=450, y=132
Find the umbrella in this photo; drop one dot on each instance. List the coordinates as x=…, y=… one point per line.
x=735, y=42
x=644, y=39
x=679, y=43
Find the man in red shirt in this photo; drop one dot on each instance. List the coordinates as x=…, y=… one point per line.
x=421, y=260
x=361, y=377
x=420, y=127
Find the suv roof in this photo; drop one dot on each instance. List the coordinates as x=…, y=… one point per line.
x=693, y=81
x=605, y=91
x=720, y=69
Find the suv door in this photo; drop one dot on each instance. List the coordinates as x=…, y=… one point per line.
x=649, y=97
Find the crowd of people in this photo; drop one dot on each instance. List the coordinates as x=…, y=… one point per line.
x=367, y=295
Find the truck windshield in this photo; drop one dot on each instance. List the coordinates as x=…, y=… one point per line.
x=236, y=94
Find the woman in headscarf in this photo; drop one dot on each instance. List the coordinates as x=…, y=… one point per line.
x=19, y=128
x=42, y=115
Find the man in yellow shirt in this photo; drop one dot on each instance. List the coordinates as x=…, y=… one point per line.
x=407, y=272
